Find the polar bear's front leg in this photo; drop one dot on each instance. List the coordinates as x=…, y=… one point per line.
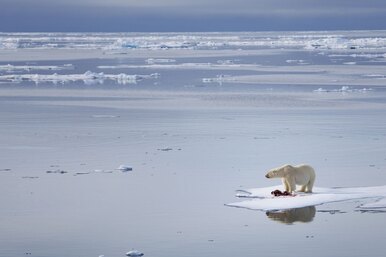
x=291, y=184
x=285, y=184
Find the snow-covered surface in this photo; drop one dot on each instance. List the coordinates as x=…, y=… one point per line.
x=261, y=198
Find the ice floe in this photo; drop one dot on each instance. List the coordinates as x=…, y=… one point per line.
x=218, y=79
x=198, y=66
x=301, y=62
x=88, y=78
x=344, y=89
x=349, y=63
x=11, y=68
x=134, y=253
x=261, y=198
x=159, y=60
x=125, y=167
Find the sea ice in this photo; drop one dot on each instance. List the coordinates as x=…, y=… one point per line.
x=200, y=41
x=344, y=89
x=218, y=79
x=261, y=198
x=134, y=253
x=10, y=68
x=88, y=78
x=124, y=167
x=153, y=61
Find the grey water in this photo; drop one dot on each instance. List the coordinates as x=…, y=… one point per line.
x=192, y=145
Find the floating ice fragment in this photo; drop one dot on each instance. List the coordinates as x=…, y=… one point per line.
x=153, y=61
x=134, y=253
x=10, y=67
x=124, y=167
x=218, y=79
x=343, y=89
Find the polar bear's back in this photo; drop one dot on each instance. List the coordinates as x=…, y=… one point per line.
x=303, y=174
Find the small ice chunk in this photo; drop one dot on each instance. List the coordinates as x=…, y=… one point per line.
x=321, y=90
x=160, y=60
x=124, y=167
x=134, y=253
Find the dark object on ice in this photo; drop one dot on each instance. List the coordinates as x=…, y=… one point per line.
x=124, y=168
x=165, y=149
x=277, y=192
x=57, y=171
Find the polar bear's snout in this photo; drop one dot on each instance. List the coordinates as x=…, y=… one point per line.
x=267, y=175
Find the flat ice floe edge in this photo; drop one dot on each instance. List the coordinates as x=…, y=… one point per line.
x=261, y=198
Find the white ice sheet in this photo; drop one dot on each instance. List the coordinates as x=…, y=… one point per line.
x=261, y=198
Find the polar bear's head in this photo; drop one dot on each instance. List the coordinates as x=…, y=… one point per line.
x=278, y=172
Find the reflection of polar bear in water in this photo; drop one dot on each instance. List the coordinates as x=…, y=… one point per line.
x=305, y=214
x=303, y=175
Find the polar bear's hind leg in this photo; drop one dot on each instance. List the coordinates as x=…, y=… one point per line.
x=303, y=188
x=310, y=185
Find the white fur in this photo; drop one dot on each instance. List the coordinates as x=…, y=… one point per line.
x=303, y=175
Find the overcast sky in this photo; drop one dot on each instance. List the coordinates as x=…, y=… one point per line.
x=190, y=15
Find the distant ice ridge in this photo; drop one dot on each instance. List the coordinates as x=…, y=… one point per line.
x=150, y=43
x=344, y=89
x=11, y=68
x=196, y=41
x=87, y=77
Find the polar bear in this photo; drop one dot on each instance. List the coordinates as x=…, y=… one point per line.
x=303, y=175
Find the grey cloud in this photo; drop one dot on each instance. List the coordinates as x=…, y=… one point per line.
x=188, y=15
